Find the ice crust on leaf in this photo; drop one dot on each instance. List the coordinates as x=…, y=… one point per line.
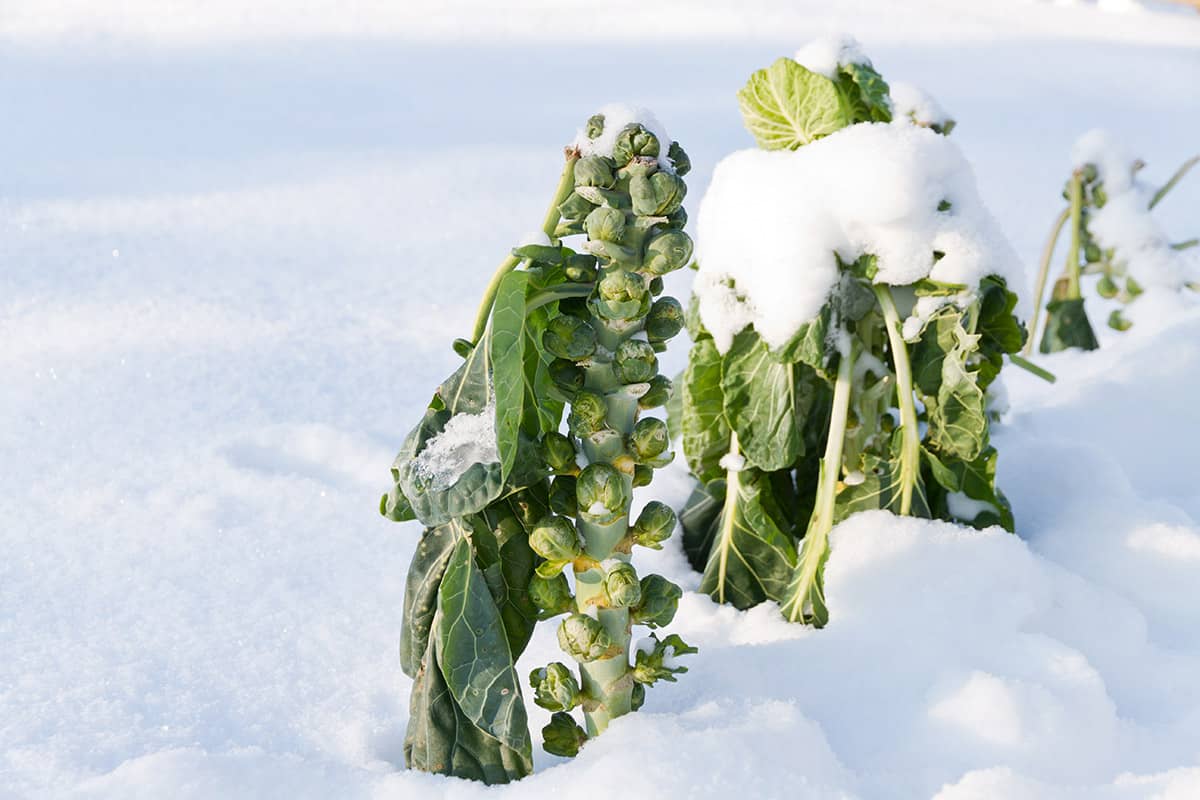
x=773, y=225
x=467, y=439
x=618, y=116
x=826, y=54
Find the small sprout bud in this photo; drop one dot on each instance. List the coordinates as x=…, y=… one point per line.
x=1099, y=196
x=1091, y=252
x=559, y=453
x=585, y=639
x=654, y=525
x=683, y=164
x=656, y=195
x=1117, y=321
x=463, y=347
x=656, y=659
x=601, y=494
x=595, y=171
x=664, y=320
x=637, y=698
x=620, y=295
x=635, y=362
x=595, y=126
x=1089, y=173
x=1106, y=287
x=555, y=539
x=649, y=440
x=567, y=376
x=656, y=286
x=658, y=394
x=1133, y=287
x=563, y=736
x=588, y=415
x=551, y=595
x=562, y=496
x=667, y=252
x=677, y=219
x=642, y=475
x=621, y=586
x=555, y=687
x=575, y=207
x=633, y=141
x=569, y=337
x=660, y=601
x=605, y=224
x=581, y=268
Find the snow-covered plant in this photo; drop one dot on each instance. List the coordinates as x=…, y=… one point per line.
x=851, y=309
x=1112, y=234
x=510, y=502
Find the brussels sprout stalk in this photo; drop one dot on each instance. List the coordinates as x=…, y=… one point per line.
x=1043, y=273
x=910, y=454
x=1072, y=270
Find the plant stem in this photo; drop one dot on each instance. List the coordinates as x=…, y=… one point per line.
x=566, y=184
x=1170, y=184
x=1029, y=366
x=816, y=540
x=1043, y=274
x=910, y=453
x=1072, y=268
x=732, y=487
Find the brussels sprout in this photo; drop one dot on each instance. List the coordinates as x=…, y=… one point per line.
x=555, y=687
x=633, y=141
x=600, y=493
x=642, y=475
x=635, y=362
x=567, y=376
x=562, y=496
x=654, y=525
x=656, y=286
x=558, y=452
x=585, y=639
x=1133, y=287
x=621, y=586
x=658, y=394
x=656, y=195
x=637, y=697
x=1089, y=173
x=588, y=415
x=605, y=224
x=660, y=601
x=569, y=337
x=667, y=252
x=619, y=285
x=563, y=736
x=1099, y=196
x=595, y=171
x=575, y=207
x=677, y=219
x=683, y=164
x=463, y=347
x=649, y=440
x=1117, y=321
x=656, y=659
x=664, y=320
x=580, y=268
x=551, y=595
x=555, y=539
x=1106, y=287
x=1092, y=253
x=595, y=126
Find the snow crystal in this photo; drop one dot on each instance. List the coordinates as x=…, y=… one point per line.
x=773, y=223
x=732, y=462
x=617, y=117
x=668, y=660
x=467, y=439
x=825, y=55
x=912, y=104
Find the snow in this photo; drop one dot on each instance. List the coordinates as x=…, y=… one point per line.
x=827, y=54
x=732, y=462
x=912, y=103
x=773, y=224
x=197, y=597
x=467, y=439
x=617, y=117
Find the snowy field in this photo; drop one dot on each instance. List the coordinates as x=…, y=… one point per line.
x=235, y=244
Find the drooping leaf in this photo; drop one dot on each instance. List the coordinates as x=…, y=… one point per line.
x=697, y=518
x=750, y=558
x=425, y=573
x=927, y=354
x=503, y=554
x=958, y=424
x=808, y=345
x=1000, y=332
x=1067, y=326
x=974, y=482
x=762, y=404
x=706, y=431
x=473, y=652
x=786, y=106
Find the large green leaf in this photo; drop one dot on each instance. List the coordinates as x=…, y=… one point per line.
x=958, y=424
x=507, y=342
x=1000, y=332
x=786, y=106
x=974, y=480
x=503, y=555
x=1067, y=326
x=706, y=432
x=697, y=520
x=750, y=558
x=763, y=404
x=474, y=655
x=865, y=93
x=425, y=573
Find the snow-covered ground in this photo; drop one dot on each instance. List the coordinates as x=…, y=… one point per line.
x=235, y=244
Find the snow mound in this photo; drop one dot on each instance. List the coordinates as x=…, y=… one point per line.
x=828, y=53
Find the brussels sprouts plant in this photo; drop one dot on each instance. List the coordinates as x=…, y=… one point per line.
x=1110, y=235
x=512, y=504
x=877, y=402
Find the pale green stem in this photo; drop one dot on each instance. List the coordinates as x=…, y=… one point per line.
x=566, y=184
x=1170, y=184
x=910, y=452
x=1043, y=274
x=1072, y=268
x=732, y=488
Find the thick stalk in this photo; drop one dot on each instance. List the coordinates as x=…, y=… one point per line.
x=566, y=184
x=732, y=487
x=910, y=452
x=816, y=540
x=1043, y=274
x=1072, y=268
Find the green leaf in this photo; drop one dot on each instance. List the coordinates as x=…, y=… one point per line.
x=507, y=342
x=865, y=93
x=706, y=431
x=763, y=403
x=937, y=339
x=1067, y=326
x=473, y=653
x=786, y=106
x=976, y=480
x=958, y=421
x=697, y=520
x=503, y=554
x=425, y=573
x=808, y=345
x=751, y=558
x=1000, y=332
